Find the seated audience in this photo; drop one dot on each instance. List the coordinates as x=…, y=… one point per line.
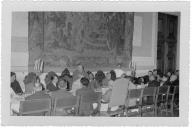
x=66, y=75
x=174, y=81
x=131, y=85
x=38, y=85
x=98, y=83
x=15, y=84
x=63, y=91
x=159, y=77
x=90, y=76
x=76, y=84
x=51, y=81
x=169, y=73
x=29, y=82
x=38, y=93
x=86, y=108
x=146, y=78
x=155, y=73
x=153, y=82
x=164, y=81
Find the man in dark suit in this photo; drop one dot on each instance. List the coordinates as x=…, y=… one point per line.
x=15, y=84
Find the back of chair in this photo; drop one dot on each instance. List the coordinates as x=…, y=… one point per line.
x=148, y=96
x=119, y=92
x=149, y=91
x=134, y=96
x=86, y=101
x=176, y=93
x=163, y=90
x=64, y=102
x=162, y=94
x=37, y=106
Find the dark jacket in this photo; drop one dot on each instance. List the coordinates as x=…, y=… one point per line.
x=16, y=87
x=153, y=83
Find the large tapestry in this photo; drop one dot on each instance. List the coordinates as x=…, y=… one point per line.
x=94, y=39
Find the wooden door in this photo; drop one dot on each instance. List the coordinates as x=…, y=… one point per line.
x=167, y=42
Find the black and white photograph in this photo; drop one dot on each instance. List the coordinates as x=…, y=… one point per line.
x=95, y=63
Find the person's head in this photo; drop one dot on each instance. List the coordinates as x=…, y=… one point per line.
x=37, y=79
x=169, y=73
x=108, y=75
x=177, y=72
x=99, y=76
x=155, y=72
x=164, y=78
x=80, y=68
x=113, y=75
x=53, y=77
x=84, y=81
x=173, y=78
x=123, y=75
x=150, y=73
x=90, y=75
x=65, y=72
x=152, y=78
x=13, y=77
x=159, y=76
x=62, y=83
x=141, y=80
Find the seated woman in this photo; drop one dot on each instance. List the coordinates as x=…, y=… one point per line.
x=15, y=84
x=164, y=81
x=38, y=85
x=90, y=76
x=66, y=75
x=51, y=80
x=98, y=83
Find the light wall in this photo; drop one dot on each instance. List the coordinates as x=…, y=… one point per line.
x=19, y=41
x=144, y=54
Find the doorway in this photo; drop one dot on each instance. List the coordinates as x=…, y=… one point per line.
x=167, y=42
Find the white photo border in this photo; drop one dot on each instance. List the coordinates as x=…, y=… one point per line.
x=167, y=6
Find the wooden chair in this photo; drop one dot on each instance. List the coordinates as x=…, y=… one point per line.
x=173, y=97
x=161, y=99
x=148, y=100
x=37, y=107
x=64, y=106
x=84, y=102
x=134, y=102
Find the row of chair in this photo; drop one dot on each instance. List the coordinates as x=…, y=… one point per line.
x=150, y=99
x=154, y=99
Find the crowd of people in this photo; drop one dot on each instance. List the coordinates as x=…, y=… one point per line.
x=83, y=82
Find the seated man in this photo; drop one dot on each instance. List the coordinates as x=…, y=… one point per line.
x=153, y=82
x=15, y=84
x=85, y=91
x=62, y=92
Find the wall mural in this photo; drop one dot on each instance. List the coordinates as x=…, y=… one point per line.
x=95, y=39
